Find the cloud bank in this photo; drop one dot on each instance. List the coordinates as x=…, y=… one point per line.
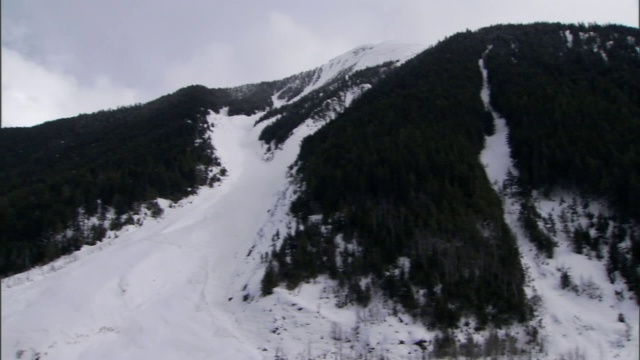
x=32, y=94
x=69, y=56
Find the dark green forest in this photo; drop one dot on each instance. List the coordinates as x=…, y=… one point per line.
x=118, y=158
x=574, y=117
x=398, y=174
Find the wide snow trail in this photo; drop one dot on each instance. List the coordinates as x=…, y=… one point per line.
x=496, y=155
x=160, y=291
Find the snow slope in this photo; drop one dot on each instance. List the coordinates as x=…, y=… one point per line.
x=160, y=291
x=361, y=58
x=185, y=285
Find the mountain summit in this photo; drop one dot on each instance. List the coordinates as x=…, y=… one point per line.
x=475, y=200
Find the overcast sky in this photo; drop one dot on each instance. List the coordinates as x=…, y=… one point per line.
x=64, y=57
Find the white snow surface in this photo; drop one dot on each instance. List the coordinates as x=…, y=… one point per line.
x=569, y=37
x=361, y=58
x=582, y=323
x=496, y=155
x=171, y=289
x=161, y=291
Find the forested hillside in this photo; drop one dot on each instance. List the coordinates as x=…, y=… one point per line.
x=293, y=114
x=64, y=183
x=393, y=195
x=570, y=95
x=571, y=98
x=55, y=176
x=397, y=176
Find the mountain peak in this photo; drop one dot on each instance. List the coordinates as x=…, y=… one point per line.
x=359, y=58
x=368, y=55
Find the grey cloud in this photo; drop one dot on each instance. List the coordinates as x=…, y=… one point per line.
x=151, y=47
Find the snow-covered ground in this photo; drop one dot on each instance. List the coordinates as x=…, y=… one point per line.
x=361, y=58
x=580, y=322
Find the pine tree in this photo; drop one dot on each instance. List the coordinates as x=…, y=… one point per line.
x=269, y=281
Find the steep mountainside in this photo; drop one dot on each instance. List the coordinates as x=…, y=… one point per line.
x=478, y=201
x=393, y=197
x=57, y=175
x=398, y=177
x=109, y=165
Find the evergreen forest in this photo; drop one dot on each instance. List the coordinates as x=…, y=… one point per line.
x=404, y=202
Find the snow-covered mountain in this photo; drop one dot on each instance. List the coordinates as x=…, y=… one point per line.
x=361, y=58
x=189, y=284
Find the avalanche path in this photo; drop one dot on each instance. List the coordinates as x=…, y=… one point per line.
x=187, y=285
x=163, y=290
